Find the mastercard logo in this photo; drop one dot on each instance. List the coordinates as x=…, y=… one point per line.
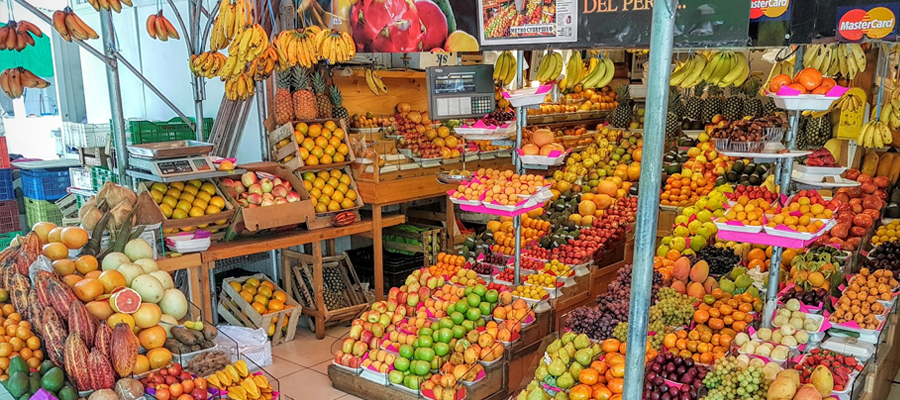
x=875, y=23
x=768, y=8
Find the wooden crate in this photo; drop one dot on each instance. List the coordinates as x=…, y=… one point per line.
x=239, y=312
x=96, y=157
x=213, y=223
x=285, y=149
x=324, y=220
x=433, y=240
x=302, y=284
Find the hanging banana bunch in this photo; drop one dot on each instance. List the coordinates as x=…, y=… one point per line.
x=262, y=66
x=299, y=47
x=159, y=28
x=874, y=134
x=785, y=67
x=848, y=102
x=70, y=26
x=233, y=18
x=600, y=73
x=246, y=47
x=335, y=46
x=890, y=114
x=207, y=64
x=722, y=68
x=13, y=82
x=846, y=59
x=114, y=5
x=376, y=86
x=505, y=68
x=550, y=68
x=239, y=87
x=17, y=35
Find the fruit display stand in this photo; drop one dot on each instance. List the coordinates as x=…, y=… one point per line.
x=237, y=311
x=299, y=267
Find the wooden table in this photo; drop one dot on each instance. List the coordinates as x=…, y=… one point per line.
x=281, y=240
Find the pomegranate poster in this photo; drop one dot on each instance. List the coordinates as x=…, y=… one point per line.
x=400, y=26
x=517, y=22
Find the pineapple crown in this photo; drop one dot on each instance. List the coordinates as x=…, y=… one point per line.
x=623, y=94
x=715, y=90
x=698, y=90
x=284, y=80
x=318, y=83
x=336, y=97
x=674, y=97
x=752, y=86
x=301, y=77
x=736, y=90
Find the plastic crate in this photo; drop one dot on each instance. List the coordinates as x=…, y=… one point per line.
x=101, y=175
x=45, y=184
x=80, y=200
x=42, y=211
x=4, y=153
x=139, y=132
x=7, y=238
x=80, y=177
x=9, y=216
x=77, y=135
x=7, y=190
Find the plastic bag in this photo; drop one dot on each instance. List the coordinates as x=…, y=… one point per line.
x=253, y=344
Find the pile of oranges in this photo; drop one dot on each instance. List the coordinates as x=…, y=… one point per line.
x=759, y=258
x=262, y=295
x=808, y=81
x=17, y=339
x=682, y=190
x=701, y=344
x=448, y=265
x=809, y=219
x=728, y=314
x=748, y=212
x=604, y=379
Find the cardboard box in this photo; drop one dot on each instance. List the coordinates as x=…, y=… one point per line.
x=420, y=61
x=324, y=219
x=279, y=215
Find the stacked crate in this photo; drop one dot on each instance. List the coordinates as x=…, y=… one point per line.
x=9, y=208
x=43, y=183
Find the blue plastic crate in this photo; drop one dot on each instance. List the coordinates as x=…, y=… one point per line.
x=7, y=191
x=45, y=184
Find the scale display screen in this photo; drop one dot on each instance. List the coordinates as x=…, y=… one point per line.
x=465, y=91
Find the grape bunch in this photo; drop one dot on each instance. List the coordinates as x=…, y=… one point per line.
x=494, y=258
x=674, y=309
x=592, y=322
x=727, y=380
x=482, y=268
x=721, y=260
x=620, y=332
x=498, y=117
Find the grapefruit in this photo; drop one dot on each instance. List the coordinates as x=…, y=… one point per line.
x=111, y=280
x=131, y=271
x=100, y=309
x=86, y=263
x=126, y=301
x=159, y=357
x=43, y=230
x=119, y=318
x=147, y=264
x=147, y=315
x=142, y=364
x=64, y=267
x=153, y=337
x=73, y=237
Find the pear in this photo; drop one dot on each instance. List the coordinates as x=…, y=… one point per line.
x=565, y=381
x=568, y=337
x=584, y=357
x=582, y=341
x=561, y=396
x=533, y=384
x=596, y=348
x=570, y=348
x=563, y=355
x=575, y=369
x=737, y=271
x=554, y=346
x=557, y=367
x=537, y=394
x=541, y=373
x=523, y=395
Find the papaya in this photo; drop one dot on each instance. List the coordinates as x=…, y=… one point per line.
x=869, y=163
x=18, y=383
x=895, y=170
x=884, y=164
x=18, y=364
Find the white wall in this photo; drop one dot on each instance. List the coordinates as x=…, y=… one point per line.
x=165, y=64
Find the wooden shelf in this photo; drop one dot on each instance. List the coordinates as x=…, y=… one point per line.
x=185, y=261
x=388, y=73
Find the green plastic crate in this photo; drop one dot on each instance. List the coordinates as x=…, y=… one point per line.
x=6, y=238
x=42, y=211
x=101, y=175
x=140, y=132
x=80, y=200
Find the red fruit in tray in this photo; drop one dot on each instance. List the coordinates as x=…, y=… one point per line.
x=863, y=221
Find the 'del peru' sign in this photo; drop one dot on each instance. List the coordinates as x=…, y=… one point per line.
x=768, y=8
x=877, y=21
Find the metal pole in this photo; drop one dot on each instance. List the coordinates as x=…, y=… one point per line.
x=196, y=81
x=520, y=124
x=661, y=42
x=261, y=111
x=85, y=46
x=115, y=95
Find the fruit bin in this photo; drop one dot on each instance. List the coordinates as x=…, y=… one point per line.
x=324, y=219
x=7, y=190
x=239, y=312
x=283, y=145
x=45, y=184
x=76, y=135
x=140, y=132
x=7, y=238
x=300, y=273
x=42, y=211
x=9, y=216
x=172, y=226
x=272, y=216
x=101, y=175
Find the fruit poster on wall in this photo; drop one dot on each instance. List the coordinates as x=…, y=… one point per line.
x=400, y=26
x=516, y=22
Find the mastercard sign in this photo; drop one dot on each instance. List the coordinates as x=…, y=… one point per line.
x=877, y=22
x=768, y=8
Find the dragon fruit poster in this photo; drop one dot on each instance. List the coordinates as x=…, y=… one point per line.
x=399, y=26
x=517, y=22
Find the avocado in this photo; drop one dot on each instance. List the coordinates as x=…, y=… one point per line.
x=892, y=211
x=545, y=242
x=755, y=180
x=738, y=166
x=744, y=177
x=46, y=366
x=720, y=181
x=34, y=383
x=53, y=379
x=744, y=182
x=17, y=384
x=732, y=176
x=669, y=158
x=17, y=364
x=749, y=168
x=67, y=393
x=762, y=169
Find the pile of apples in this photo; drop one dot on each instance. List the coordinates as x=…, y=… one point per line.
x=252, y=192
x=174, y=383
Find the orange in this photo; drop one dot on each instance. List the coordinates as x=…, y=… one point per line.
x=55, y=251
x=701, y=316
x=275, y=305
x=74, y=238
x=610, y=345
x=33, y=343
x=43, y=230
x=259, y=308
x=64, y=267
x=778, y=81
x=88, y=289
x=589, y=376
x=85, y=264
x=71, y=280
x=810, y=78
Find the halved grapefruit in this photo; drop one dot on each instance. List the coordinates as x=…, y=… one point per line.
x=125, y=300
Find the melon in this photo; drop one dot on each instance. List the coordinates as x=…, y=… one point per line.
x=530, y=150
x=542, y=137
x=125, y=301
x=138, y=249
x=131, y=272
x=114, y=260
x=149, y=288
x=174, y=303
x=164, y=278
x=147, y=315
x=148, y=265
x=167, y=322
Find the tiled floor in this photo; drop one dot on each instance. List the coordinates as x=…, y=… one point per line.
x=305, y=359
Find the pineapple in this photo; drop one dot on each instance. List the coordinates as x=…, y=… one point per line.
x=752, y=104
x=323, y=103
x=284, y=108
x=304, y=100
x=732, y=110
x=712, y=104
x=693, y=107
x=814, y=133
x=769, y=107
x=622, y=115
x=338, y=111
x=673, y=118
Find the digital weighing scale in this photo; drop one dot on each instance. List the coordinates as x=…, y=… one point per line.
x=174, y=161
x=460, y=92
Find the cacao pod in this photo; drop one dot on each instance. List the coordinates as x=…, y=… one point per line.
x=76, y=356
x=103, y=338
x=101, y=373
x=54, y=335
x=28, y=253
x=60, y=296
x=345, y=218
x=35, y=309
x=82, y=322
x=18, y=292
x=123, y=349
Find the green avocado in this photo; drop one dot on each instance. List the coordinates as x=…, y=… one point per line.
x=67, y=393
x=17, y=384
x=738, y=166
x=53, y=380
x=34, y=383
x=17, y=364
x=46, y=366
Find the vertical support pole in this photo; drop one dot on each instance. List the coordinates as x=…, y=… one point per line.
x=661, y=42
x=520, y=125
x=261, y=110
x=196, y=81
x=115, y=95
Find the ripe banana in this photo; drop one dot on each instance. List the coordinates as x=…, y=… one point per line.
x=207, y=64
x=13, y=82
x=550, y=68
x=376, y=86
x=158, y=27
x=574, y=72
x=334, y=46
x=846, y=59
x=17, y=35
x=240, y=87
x=70, y=26
x=874, y=134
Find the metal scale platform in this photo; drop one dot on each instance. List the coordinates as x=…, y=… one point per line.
x=174, y=161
